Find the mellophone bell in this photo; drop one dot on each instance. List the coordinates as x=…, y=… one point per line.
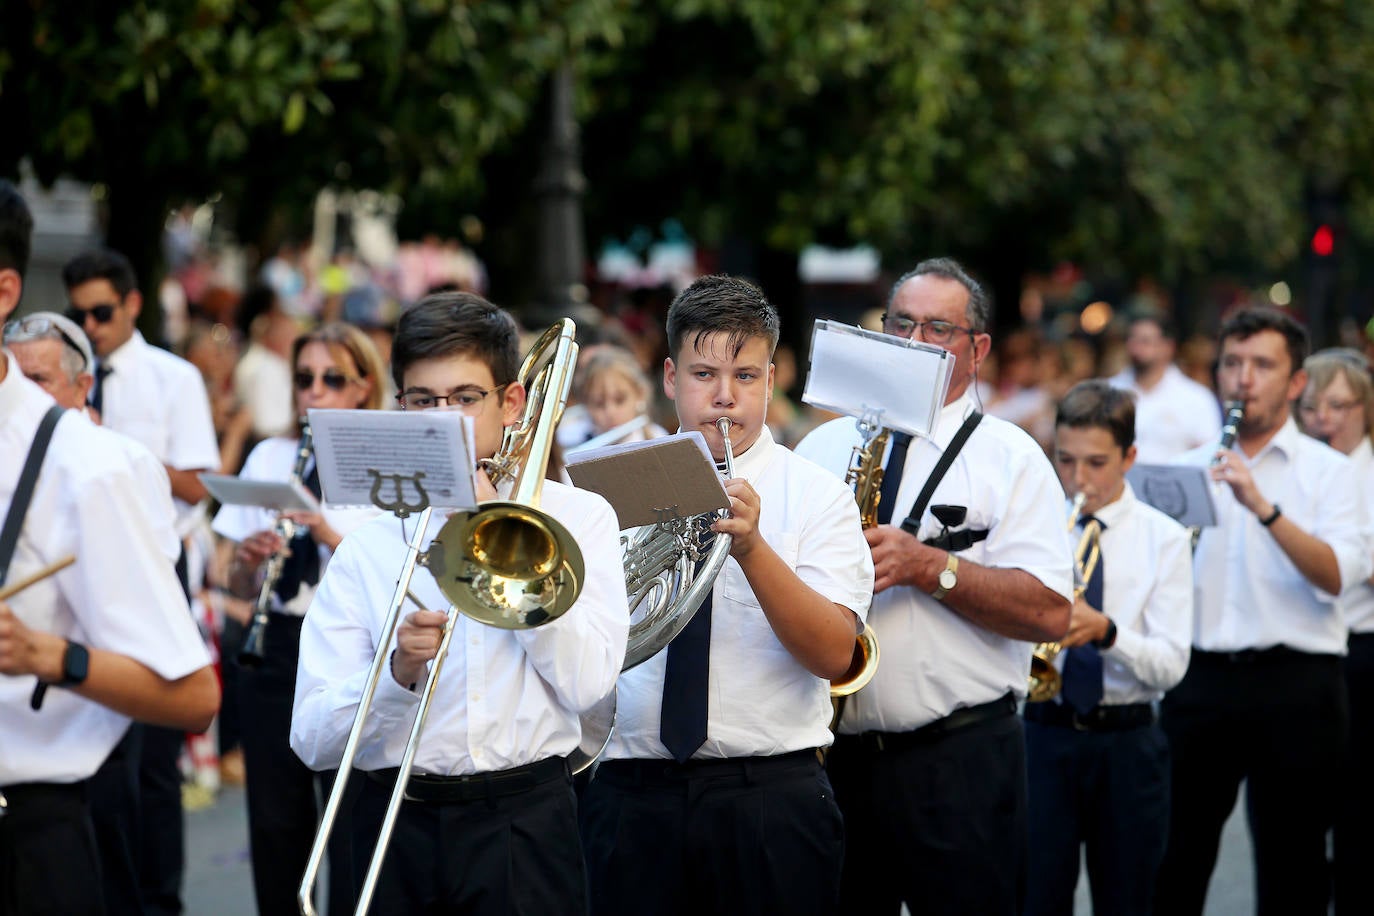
x=450, y=695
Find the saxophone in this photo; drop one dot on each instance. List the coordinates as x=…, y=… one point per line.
x=865, y=475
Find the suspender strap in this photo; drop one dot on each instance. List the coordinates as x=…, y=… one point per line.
x=23, y=491
x=913, y=521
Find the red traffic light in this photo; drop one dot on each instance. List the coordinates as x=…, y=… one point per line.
x=1323, y=241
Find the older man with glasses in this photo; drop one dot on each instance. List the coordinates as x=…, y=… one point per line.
x=55, y=354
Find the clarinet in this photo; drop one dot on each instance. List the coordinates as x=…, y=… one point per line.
x=1235, y=412
x=251, y=654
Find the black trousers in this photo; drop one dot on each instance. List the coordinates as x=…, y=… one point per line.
x=1354, y=834
x=940, y=825
x=1107, y=790
x=514, y=855
x=282, y=802
x=1278, y=720
x=114, y=815
x=741, y=836
x=48, y=860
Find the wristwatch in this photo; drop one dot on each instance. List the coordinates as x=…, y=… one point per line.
x=949, y=577
x=76, y=664
x=1109, y=639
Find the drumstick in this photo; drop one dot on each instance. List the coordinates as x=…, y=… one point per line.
x=15, y=588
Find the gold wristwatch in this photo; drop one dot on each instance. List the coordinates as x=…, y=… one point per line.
x=949, y=577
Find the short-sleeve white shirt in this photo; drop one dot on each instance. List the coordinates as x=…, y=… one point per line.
x=159, y=399
x=762, y=701
x=1151, y=602
x=275, y=459
x=121, y=594
x=933, y=660
x=1248, y=593
x=1176, y=415
x=504, y=698
x=1357, y=602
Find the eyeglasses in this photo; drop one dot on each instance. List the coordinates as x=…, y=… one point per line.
x=936, y=332
x=470, y=399
x=36, y=326
x=1337, y=408
x=101, y=313
x=333, y=379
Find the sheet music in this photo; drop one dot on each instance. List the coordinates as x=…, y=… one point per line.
x=854, y=372
x=277, y=495
x=1181, y=491
x=673, y=476
x=350, y=445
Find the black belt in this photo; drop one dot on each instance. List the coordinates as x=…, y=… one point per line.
x=957, y=721
x=1097, y=719
x=13, y=795
x=662, y=773
x=1259, y=656
x=452, y=790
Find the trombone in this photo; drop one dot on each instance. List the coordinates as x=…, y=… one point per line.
x=1045, y=679
x=507, y=564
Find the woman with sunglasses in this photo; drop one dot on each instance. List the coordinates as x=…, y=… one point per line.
x=335, y=366
x=1337, y=407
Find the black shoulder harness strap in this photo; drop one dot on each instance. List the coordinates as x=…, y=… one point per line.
x=913, y=521
x=23, y=491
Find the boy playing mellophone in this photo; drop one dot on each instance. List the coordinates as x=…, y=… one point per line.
x=710, y=797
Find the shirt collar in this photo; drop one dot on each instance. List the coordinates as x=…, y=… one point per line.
x=1362, y=452
x=951, y=417
x=1117, y=509
x=125, y=352
x=1286, y=442
x=751, y=464
x=15, y=390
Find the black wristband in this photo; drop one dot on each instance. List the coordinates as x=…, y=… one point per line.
x=1106, y=642
x=1272, y=517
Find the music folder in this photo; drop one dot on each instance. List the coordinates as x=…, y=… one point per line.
x=1181, y=491
x=277, y=495
x=653, y=479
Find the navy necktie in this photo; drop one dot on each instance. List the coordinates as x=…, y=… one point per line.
x=892, y=477
x=98, y=392
x=682, y=718
x=303, y=562
x=1083, y=664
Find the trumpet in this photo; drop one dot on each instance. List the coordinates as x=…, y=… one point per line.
x=1045, y=679
x=865, y=475
x=506, y=564
x=252, y=652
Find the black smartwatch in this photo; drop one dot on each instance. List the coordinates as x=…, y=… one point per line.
x=76, y=665
x=1272, y=516
x=1106, y=642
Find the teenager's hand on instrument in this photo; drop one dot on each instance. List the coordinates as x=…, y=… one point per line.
x=901, y=559
x=743, y=523
x=486, y=490
x=1232, y=470
x=1085, y=625
x=417, y=643
x=320, y=529
x=27, y=651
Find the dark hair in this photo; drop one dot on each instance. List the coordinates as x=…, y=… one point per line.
x=1167, y=329
x=979, y=309
x=452, y=324
x=721, y=304
x=1250, y=321
x=1095, y=404
x=16, y=229
x=101, y=264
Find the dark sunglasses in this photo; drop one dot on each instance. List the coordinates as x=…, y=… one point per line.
x=101, y=313
x=333, y=379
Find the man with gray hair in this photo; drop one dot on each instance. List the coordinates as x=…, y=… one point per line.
x=929, y=763
x=54, y=354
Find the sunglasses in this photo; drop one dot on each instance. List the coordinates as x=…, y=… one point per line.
x=333, y=379
x=35, y=327
x=101, y=313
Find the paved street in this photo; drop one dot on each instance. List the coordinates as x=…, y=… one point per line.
x=218, y=881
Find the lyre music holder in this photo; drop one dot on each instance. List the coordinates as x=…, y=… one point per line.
x=399, y=506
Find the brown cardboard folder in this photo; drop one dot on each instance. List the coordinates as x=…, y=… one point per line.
x=646, y=481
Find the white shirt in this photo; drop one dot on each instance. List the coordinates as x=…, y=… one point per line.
x=1176, y=415
x=275, y=459
x=762, y=701
x=933, y=660
x=1357, y=602
x=1150, y=603
x=505, y=697
x=263, y=384
x=1247, y=592
x=159, y=399
x=121, y=594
